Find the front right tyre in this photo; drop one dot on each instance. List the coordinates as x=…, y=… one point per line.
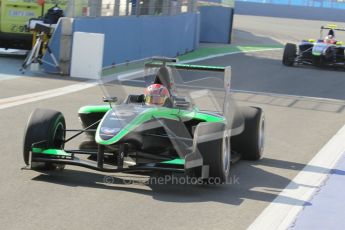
x=46, y=126
x=250, y=143
x=213, y=143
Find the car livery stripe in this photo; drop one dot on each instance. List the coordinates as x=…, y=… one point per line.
x=151, y=113
x=177, y=161
x=94, y=109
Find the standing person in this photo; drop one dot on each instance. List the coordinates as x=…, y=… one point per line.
x=53, y=15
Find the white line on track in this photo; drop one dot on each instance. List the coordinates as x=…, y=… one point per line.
x=291, y=96
x=282, y=211
x=28, y=98
x=8, y=76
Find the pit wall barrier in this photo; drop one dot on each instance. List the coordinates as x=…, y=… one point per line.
x=131, y=38
x=216, y=24
x=290, y=11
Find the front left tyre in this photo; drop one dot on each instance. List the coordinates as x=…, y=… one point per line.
x=290, y=53
x=47, y=127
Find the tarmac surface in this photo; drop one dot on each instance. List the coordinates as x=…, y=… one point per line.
x=77, y=198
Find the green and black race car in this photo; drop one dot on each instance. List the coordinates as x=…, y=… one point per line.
x=200, y=131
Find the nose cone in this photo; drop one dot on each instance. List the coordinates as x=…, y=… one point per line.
x=115, y=121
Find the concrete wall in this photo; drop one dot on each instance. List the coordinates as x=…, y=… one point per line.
x=288, y=11
x=131, y=38
x=216, y=24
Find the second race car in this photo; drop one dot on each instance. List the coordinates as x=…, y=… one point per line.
x=323, y=52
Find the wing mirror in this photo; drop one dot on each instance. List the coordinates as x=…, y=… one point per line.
x=181, y=103
x=110, y=100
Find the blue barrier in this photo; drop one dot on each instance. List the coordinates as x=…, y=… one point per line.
x=216, y=24
x=132, y=38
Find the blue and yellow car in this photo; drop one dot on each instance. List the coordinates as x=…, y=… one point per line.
x=323, y=52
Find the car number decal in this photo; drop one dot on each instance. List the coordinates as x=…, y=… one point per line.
x=123, y=113
x=16, y=28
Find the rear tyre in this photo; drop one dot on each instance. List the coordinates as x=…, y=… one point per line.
x=213, y=143
x=44, y=125
x=250, y=143
x=290, y=53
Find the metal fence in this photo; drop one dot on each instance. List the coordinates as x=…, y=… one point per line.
x=222, y=3
x=334, y=4
x=103, y=8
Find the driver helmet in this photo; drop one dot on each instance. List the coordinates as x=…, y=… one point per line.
x=156, y=94
x=329, y=39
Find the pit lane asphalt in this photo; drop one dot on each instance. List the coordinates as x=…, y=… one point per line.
x=78, y=198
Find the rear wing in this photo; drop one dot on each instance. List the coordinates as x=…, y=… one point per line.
x=331, y=29
x=170, y=82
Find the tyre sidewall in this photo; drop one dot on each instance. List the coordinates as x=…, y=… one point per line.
x=250, y=143
x=212, y=151
x=43, y=125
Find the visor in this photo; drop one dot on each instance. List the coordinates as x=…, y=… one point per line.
x=154, y=100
